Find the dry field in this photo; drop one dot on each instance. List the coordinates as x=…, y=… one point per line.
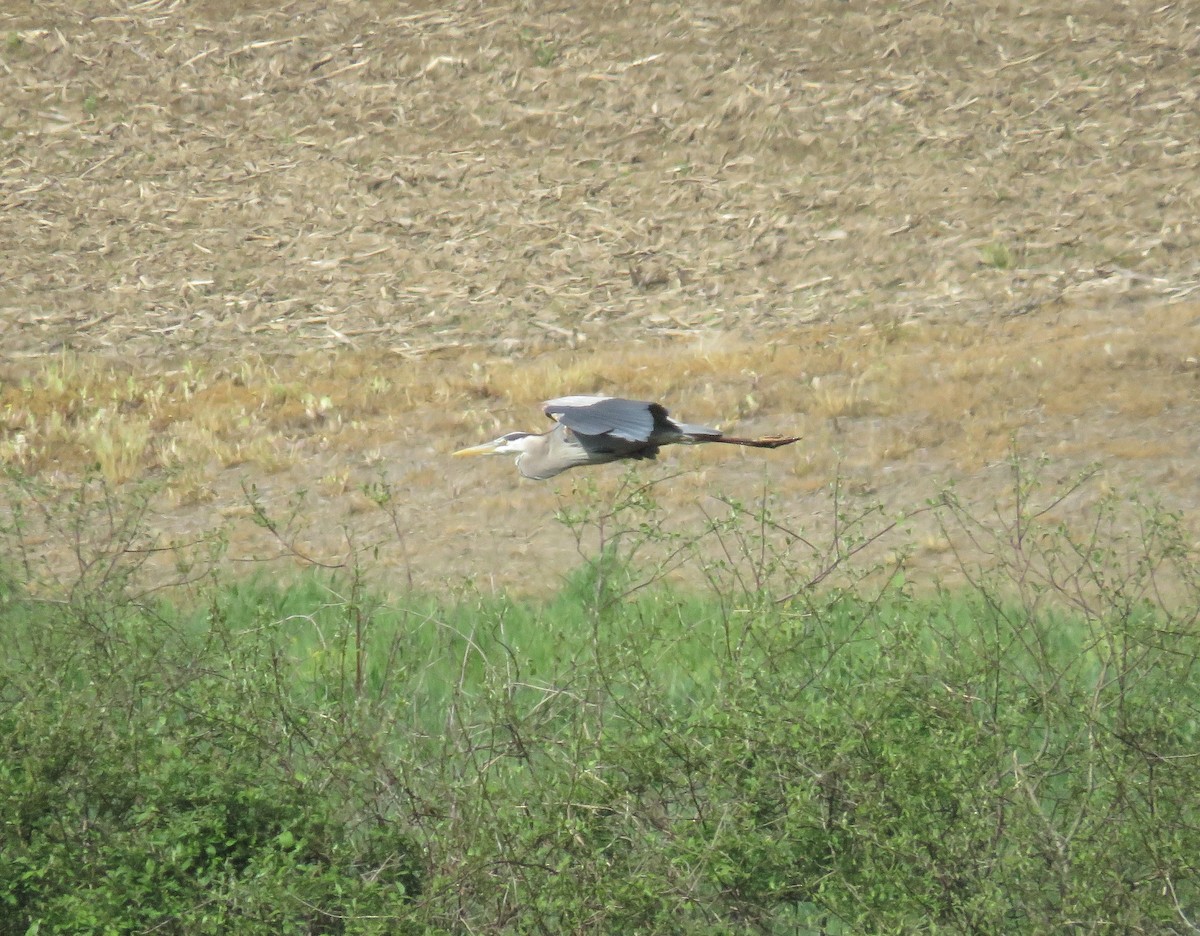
x=318, y=245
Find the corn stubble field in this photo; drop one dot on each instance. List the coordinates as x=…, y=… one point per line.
x=266, y=264
x=304, y=245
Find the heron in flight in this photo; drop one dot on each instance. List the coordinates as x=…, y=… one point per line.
x=593, y=430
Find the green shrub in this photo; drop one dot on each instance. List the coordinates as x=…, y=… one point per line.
x=164, y=785
x=1015, y=755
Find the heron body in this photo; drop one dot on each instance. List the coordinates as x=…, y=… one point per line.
x=594, y=430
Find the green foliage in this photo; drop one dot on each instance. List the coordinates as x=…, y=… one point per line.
x=167, y=784
x=996, y=255
x=808, y=747
x=543, y=52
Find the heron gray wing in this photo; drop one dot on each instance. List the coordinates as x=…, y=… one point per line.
x=578, y=400
x=633, y=420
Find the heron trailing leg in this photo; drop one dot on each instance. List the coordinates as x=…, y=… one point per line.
x=767, y=442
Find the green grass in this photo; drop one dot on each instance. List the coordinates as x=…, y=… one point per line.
x=996, y=255
x=312, y=758
x=1016, y=755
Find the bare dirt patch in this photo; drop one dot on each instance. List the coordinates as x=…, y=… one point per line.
x=317, y=246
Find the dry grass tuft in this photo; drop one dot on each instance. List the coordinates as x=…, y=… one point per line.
x=952, y=393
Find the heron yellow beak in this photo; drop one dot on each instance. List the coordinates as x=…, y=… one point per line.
x=488, y=448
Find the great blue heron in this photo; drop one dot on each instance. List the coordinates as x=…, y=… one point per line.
x=592, y=430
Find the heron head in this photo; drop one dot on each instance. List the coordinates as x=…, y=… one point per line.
x=511, y=443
